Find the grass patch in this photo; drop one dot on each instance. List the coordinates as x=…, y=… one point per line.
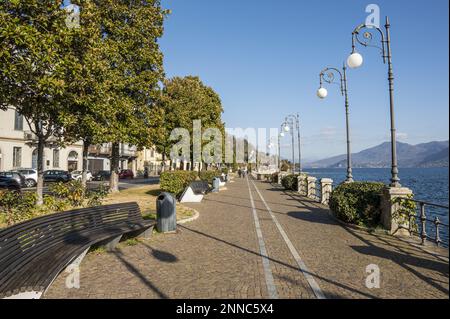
x=97, y=250
x=131, y=242
x=145, y=196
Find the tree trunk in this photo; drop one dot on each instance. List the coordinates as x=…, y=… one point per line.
x=85, y=163
x=114, y=179
x=40, y=171
x=163, y=166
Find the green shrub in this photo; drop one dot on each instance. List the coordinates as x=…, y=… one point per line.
x=209, y=175
x=17, y=207
x=175, y=181
x=95, y=197
x=290, y=182
x=73, y=191
x=358, y=203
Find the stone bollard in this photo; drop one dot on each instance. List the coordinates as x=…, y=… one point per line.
x=326, y=185
x=302, y=184
x=311, y=188
x=394, y=224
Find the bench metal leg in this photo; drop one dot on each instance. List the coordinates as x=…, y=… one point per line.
x=146, y=234
x=77, y=261
x=111, y=245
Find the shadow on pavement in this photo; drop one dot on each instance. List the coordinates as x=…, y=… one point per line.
x=278, y=262
x=139, y=275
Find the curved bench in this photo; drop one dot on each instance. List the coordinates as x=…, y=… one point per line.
x=34, y=252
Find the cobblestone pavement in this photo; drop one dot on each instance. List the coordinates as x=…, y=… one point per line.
x=219, y=256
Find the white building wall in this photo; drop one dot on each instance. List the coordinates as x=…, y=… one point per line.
x=10, y=138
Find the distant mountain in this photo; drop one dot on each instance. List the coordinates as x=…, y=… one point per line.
x=432, y=154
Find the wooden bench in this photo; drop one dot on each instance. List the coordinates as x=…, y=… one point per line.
x=34, y=252
x=194, y=192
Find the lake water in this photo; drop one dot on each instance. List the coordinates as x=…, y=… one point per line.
x=428, y=184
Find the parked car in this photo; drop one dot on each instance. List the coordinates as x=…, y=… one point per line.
x=126, y=173
x=30, y=175
x=54, y=175
x=19, y=178
x=77, y=175
x=102, y=175
x=9, y=183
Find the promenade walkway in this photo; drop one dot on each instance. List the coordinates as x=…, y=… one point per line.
x=255, y=240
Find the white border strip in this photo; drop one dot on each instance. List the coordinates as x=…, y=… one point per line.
x=302, y=267
x=271, y=289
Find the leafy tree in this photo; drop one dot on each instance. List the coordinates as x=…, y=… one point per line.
x=130, y=30
x=183, y=100
x=88, y=109
x=34, y=47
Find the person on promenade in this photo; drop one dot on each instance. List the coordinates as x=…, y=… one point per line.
x=239, y=173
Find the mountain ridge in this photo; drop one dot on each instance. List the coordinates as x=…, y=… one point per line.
x=430, y=154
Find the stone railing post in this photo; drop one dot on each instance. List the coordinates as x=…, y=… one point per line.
x=311, y=188
x=390, y=218
x=302, y=184
x=326, y=185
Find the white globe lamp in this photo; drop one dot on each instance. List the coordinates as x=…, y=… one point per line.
x=322, y=93
x=355, y=60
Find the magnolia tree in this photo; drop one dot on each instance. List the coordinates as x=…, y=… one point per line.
x=183, y=103
x=35, y=45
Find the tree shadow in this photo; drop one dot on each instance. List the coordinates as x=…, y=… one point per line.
x=132, y=269
x=312, y=216
x=276, y=261
x=404, y=259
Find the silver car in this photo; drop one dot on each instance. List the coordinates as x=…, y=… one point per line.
x=30, y=175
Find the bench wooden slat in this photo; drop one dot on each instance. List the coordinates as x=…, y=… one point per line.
x=32, y=253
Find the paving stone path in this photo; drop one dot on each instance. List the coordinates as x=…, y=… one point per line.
x=302, y=252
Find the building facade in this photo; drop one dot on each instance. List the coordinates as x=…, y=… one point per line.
x=18, y=147
x=149, y=159
x=99, y=157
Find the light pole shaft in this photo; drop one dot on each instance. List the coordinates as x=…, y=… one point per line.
x=347, y=124
x=293, y=149
x=299, y=144
x=395, y=180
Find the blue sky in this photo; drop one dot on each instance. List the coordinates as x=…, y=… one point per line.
x=264, y=57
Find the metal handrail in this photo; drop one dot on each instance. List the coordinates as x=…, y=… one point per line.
x=423, y=219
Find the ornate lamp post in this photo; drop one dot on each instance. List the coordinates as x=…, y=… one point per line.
x=355, y=60
x=280, y=135
x=271, y=144
x=288, y=126
x=292, y=122
x=328, y=75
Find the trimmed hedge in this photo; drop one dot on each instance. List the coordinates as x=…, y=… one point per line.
x=176, y=181
x=290, y=182
x=209, y=175
x=358, y=203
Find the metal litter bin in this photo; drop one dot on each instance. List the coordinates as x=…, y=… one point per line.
x=215, y=184
x=166, y=213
